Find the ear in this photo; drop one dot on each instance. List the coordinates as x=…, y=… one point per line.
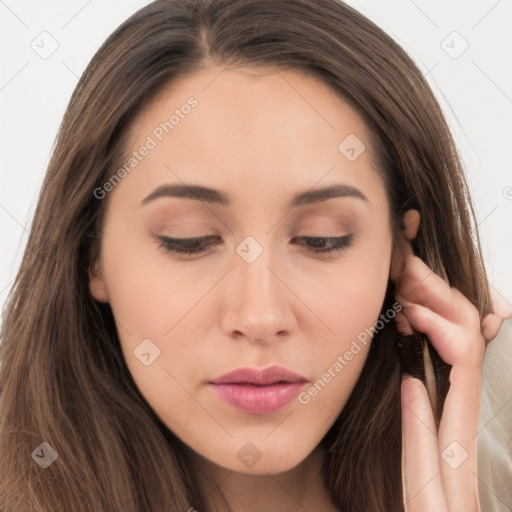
x=402, y=247
x=411, y=223
x=97, y=285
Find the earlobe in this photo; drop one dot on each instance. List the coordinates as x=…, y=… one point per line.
x=97, y=284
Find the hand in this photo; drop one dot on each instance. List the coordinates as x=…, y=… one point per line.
x=439, y=467
x=491, y=323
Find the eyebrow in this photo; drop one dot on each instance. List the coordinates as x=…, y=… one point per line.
x=209, y=195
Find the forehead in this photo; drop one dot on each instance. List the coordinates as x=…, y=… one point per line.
x=239, y=101
x=254, y=129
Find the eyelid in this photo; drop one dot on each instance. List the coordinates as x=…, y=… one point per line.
x=177, y=246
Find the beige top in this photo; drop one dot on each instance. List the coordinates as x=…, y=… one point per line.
x=495, y=426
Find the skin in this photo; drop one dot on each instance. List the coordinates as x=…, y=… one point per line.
x=262, y=136
x=446, y=479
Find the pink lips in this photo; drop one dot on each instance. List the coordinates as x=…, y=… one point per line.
x=258, y=391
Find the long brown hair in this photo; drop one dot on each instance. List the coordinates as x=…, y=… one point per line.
x=63, y=379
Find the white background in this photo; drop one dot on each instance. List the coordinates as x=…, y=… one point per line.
x=475, y=90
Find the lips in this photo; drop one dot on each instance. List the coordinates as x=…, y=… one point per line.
x=271, y=375
x=256, y=391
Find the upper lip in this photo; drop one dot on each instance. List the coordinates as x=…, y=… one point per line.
x=263, y=377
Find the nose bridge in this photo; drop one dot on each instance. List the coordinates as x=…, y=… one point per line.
x=257, y=283
x=258, y=307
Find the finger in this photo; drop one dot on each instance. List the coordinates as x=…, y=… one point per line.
x=457, y=345
x=490, y=326
x=501, y=306
x=420, y=285
x=463, y=349
x=402, y=324
x=458, y=439
x=421, y=477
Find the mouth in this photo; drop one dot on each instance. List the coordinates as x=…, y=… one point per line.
x=256, y=391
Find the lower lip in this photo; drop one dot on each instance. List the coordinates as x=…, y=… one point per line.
x=255, y=399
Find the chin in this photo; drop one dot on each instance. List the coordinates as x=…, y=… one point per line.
x=251, y=460
x=272, y=465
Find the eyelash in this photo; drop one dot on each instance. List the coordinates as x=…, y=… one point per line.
x=179, y=245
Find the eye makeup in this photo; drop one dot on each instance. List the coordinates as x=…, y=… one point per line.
x=320, y=246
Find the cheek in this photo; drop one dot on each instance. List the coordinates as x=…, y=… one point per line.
x=147, y=306
x=348, y=305
x=152, y=299
x=351, y=312
x=351, y=297
x=142, y=293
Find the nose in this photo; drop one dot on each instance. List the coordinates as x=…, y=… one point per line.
x=259, y=307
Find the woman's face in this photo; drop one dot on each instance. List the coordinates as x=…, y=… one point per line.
x=258, y=295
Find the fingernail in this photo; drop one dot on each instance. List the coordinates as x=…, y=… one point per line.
x=406, y=375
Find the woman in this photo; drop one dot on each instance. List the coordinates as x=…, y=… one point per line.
x=235, y=256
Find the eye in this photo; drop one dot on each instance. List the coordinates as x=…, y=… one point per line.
x=316, y=245
x=187, y=246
